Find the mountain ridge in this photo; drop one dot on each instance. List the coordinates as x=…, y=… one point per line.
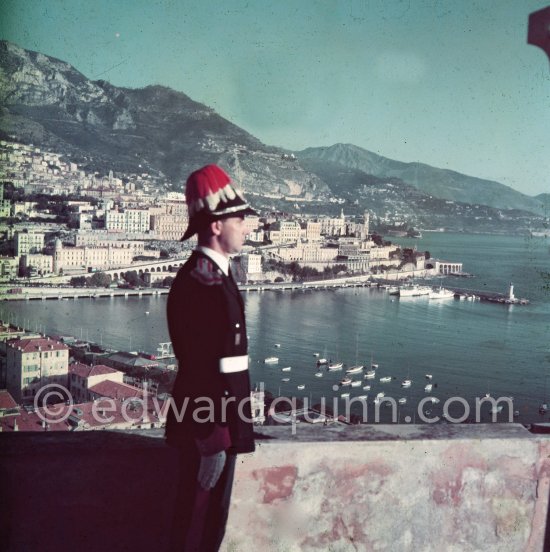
x=47, y=102
x=442, y=183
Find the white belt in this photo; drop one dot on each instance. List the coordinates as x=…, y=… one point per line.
x=228, y=365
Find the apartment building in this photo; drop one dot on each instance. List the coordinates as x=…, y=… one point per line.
x=28, y=242
x=33, y=363
x=128, y=220
x=168, y=227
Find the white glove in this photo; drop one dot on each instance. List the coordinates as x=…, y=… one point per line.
x=210, y=469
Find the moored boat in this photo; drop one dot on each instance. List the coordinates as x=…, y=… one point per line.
x=271, y=360
x=333, y=366
x=414, y=290
x=354, y=369
x=441, y=293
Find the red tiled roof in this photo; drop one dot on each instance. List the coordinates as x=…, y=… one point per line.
x=6, y=400
x=85, y=416
x=36, y=344
x=116, y=390
x=85, y=371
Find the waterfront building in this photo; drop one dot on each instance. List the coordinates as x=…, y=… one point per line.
x=9, y=268
x=129, y=361
x=28, y=242
x=251, y=263
x=90, y=257
x=32, y=363
x=38, y=264
x=444, y=267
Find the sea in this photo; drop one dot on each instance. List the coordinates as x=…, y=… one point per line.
x=470, y=348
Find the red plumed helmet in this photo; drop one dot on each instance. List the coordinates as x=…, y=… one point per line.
x=210, y=196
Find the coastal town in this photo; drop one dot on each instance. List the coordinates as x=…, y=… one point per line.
x=67, y=234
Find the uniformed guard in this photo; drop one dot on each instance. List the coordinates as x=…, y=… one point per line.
x=211, y=421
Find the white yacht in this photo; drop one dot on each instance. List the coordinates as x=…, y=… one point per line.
x=402, y=400
x=428, y=387
x=441, y=293
x=370, y=374
x=406, y=383
x=414, y=290
x=385, y=379
x=271, y=360
x=356, y=383
x=333, y=366
x=286, y=369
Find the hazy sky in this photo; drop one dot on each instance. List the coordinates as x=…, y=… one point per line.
x=450, y=83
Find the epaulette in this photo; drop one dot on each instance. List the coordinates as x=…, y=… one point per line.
x=206, y=274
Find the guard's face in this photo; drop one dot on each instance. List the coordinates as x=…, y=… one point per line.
x=232, y=234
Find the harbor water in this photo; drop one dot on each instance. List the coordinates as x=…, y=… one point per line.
x=470, y=348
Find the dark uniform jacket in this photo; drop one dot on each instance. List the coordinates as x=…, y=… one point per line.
x=207, y=328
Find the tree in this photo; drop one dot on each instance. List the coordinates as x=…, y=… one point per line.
x=99, y=279
x=132, y=277
x=167, y=282
x=78, y=281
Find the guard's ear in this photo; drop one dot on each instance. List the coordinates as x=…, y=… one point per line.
x=216, y=227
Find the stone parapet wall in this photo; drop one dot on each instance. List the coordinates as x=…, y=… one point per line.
x=387, y=487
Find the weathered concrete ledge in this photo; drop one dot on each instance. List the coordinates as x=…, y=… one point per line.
x=385, y=487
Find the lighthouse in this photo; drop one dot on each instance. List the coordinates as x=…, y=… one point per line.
x=511, y=296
